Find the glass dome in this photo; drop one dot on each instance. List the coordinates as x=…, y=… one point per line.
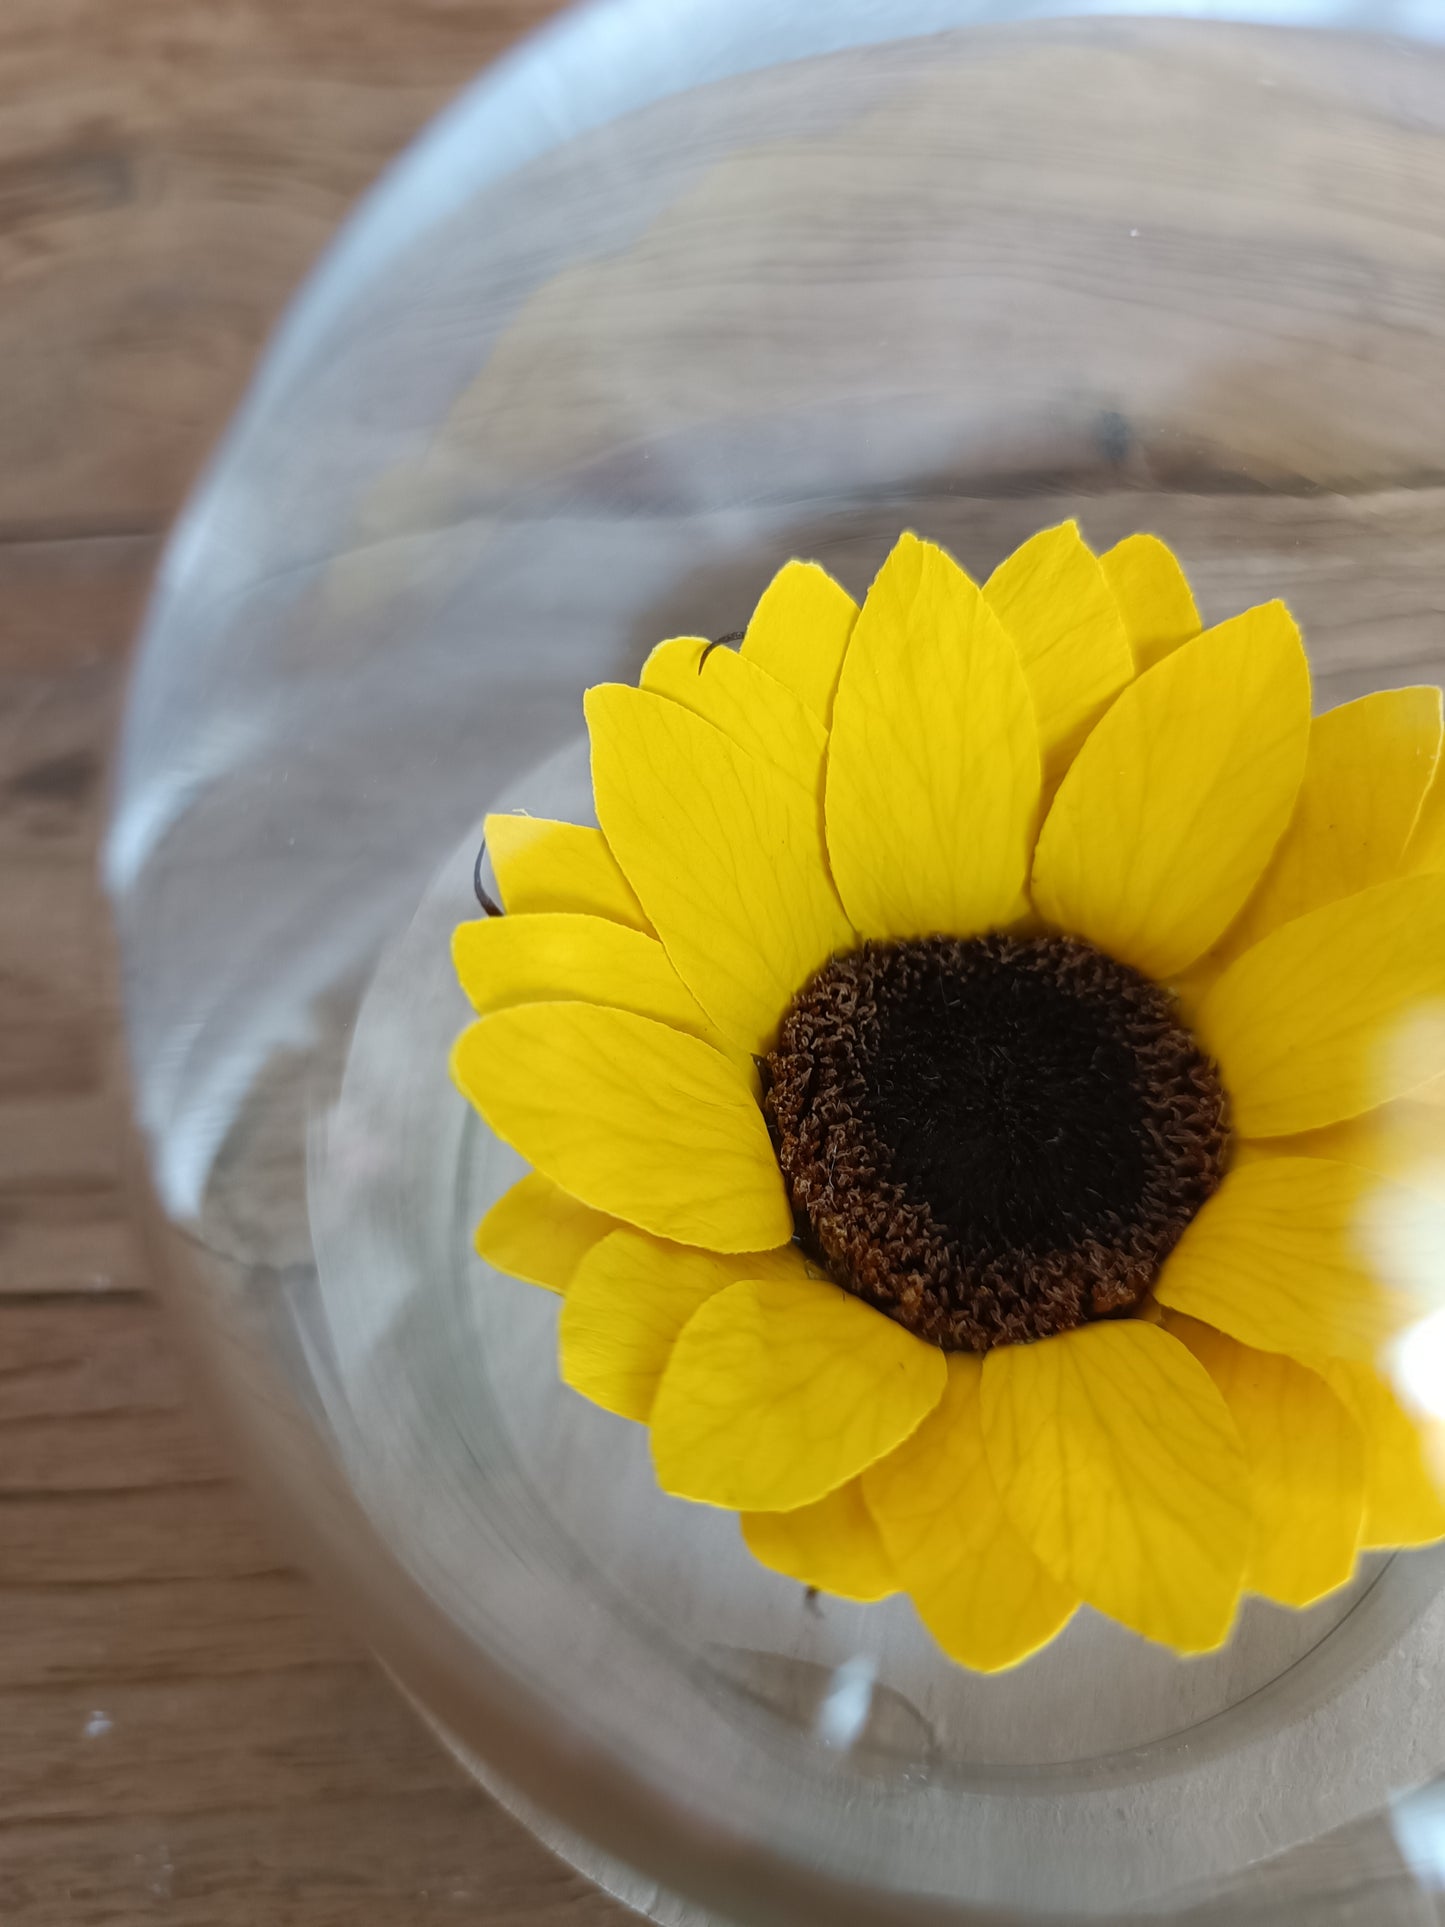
x=682, y=289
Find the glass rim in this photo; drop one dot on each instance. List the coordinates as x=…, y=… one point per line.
x=559, y=83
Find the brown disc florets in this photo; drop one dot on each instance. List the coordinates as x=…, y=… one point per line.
x=992, y=1139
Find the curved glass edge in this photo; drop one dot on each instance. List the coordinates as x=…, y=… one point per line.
x=590, y=65
x=566, y=79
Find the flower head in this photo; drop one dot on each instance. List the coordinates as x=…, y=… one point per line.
x=940, y=1073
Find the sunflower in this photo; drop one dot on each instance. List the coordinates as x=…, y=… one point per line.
x=941, y=1074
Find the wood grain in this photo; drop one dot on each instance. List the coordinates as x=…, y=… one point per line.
x=168, y=171
x=184, y=1734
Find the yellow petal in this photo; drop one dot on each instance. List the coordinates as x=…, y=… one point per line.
x=1402, y=1141
x=557, y=955
x=832, y=1544
x=627, y=1304
x=1404, y=1466
x=537, y=1232
x=1117, y=1460
x=630, y=1117
x=933, y=770
x=1368, y=766
x=1306, y=1466
x=1173, y=806
x=1153, y=596
x=799, y=632
x=1052, y=597
x=1278, y=1259
x=732, y=693
x=1426, y=852
x=1332, y=1014
x=977, y=1587
x=544, y=865
x=779, y=1392
x=725, y=854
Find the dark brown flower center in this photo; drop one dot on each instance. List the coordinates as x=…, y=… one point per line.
x=992, y=1139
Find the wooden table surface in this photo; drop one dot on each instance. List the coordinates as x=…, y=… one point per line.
x=185, y=1734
